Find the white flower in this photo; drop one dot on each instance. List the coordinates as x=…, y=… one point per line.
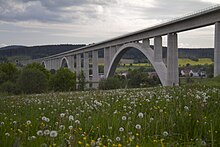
x=165, y=133
x=140, y=115
x=151, y=119
x=118, y=138
x=203, y=143
x=44, y=118
x=40, y=133
x=28, y=122
x=124, y=118
x=70, y=127
x=186, y=108
x=47, y=119
x=77, y=122
x=2, y=123
x=62, y=114
x=7, y=134
x=62, y=127
x=53, y=134
x=71, y=118
x=46, y=132
x=121, y=129
x=138, y=126
x=14, y=122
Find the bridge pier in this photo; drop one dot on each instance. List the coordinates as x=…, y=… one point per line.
x=106, y=61
x=71, y=62
x=158, y=49
x=86, y=68
x=172, y=60
x=78, y=64
x=95, y=69
x=217, y=50
x=146, y=43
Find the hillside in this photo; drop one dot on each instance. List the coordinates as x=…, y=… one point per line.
x=36, y=51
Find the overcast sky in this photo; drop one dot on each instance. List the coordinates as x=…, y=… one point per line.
x=38, y=22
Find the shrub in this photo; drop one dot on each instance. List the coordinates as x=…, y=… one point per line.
x=8, y=72
x=9, y=88
x=110, y=83
x=39, y=67
x=63, y=80
x=32, y=81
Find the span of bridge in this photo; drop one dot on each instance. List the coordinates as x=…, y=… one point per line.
x=86, y=58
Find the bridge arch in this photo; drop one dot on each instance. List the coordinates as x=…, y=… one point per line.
x=159, y=67
x=64, y=63
x=44, y=64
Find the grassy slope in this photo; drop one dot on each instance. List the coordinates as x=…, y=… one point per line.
x=179, y=116
x=203, y=61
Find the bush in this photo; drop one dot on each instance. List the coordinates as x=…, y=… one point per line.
x=32, y=81
x=8, y=72
x=63, y=80
x=39, y=67
x=9, y=88
x=110, y=83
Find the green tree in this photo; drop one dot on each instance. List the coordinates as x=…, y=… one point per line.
x=39, y=67
x=63, y=80
x=110, y=83
x=8, y=72
x=32, y=81
x=9, y=88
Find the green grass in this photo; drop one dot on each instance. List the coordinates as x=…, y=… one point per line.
x=202, y=61
x=179, y=116
x=213, y=82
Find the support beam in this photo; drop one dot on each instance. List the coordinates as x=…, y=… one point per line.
x=78, y=64
x=95, y=69
x=146, y=43
x=71, y=62
x=217, y=50
x=158, y=49
x=106, y=61
x=112, y=52
x=172, y=60
x=86, y=67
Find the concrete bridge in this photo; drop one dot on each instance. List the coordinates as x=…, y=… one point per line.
x=86, y=58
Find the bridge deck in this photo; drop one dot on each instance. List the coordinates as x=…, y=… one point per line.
x=195, y=20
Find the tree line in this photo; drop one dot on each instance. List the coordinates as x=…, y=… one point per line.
x=34, y=78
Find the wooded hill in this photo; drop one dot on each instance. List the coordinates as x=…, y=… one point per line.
x=35, y=52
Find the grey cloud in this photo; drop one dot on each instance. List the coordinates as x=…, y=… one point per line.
x=50, y=10
x=75, y=11
x=173, y=8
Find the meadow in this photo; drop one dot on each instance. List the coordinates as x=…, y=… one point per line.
x=180, y=116
x=181, y=61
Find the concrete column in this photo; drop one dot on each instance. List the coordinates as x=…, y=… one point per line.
x=106, y=61
x=56, y=64
x=71, y=62
x=86, y=66
x=172, y=60
x=112, y=52
x=217, y=50
x=158, y=49
x=78, y=64
x=146, y=43
x=95, y=69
